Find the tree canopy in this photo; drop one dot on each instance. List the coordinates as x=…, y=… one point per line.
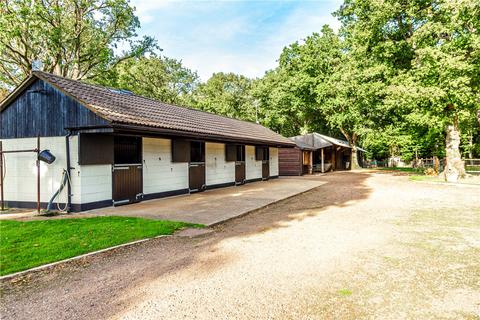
x=155, y=76
x=428, y=53
x=73, y=38
x=227, y=94
x=395, y=77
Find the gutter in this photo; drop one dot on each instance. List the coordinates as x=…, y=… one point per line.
x=154, y=131
x=194, y=135
x=69, y=186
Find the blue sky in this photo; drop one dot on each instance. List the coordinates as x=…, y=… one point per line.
x=244, y=37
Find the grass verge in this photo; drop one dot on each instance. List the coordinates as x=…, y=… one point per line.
x=426, y=178
x=24, y=245
x=411, y=170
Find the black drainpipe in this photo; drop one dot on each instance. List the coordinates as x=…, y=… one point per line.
x=69, y=187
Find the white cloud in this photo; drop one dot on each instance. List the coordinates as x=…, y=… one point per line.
x=212, y=37
x=145, y=9
x=263, y=55
x=300, y=24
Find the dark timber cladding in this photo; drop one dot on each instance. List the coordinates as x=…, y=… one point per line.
x=290, y=161
x=43, y=110
x=315, y=152
x=95, y=149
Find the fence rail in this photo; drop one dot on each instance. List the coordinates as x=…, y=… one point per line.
x=472, y=166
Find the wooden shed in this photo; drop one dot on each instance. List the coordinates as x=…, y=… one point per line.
x=118, y=148
x=296, y=161
x=315, y=152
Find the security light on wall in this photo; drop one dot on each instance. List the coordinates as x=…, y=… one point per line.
x=46, y=156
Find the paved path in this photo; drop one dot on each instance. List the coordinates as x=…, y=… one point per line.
x=214, y=206
x=209, y=208
x=363, y=245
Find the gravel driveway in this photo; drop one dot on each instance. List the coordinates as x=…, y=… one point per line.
x=364, y=245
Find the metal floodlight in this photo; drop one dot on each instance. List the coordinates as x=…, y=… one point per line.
x=46, y=156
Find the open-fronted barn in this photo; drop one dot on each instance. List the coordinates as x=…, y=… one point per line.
x=115, y=147
x=315, y=152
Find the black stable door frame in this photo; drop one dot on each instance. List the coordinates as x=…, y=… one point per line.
x=127, y=170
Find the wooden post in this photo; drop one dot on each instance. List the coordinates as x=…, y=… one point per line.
x=436, y=164
x=1, y=176
x=38, y=174
x=310, y=167
x=334, y=159
x=323, y=162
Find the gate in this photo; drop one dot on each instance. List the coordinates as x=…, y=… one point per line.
x=265, y=169
x=239, y=172
x=127, y=171
x=196, y=176
x=127, y=183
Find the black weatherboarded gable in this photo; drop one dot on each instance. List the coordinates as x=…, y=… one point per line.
x=43, y=110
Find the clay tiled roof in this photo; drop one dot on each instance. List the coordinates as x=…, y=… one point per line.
x=120, y=107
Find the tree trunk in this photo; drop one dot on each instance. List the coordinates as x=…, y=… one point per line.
x=454, y=168
x=355, y=164
x=353, y=142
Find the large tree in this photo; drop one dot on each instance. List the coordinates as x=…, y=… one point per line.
x=227, y=94
x=155, y=76
x=430, y=51
x=350, y=100
x=73, y=38
x=288, y=96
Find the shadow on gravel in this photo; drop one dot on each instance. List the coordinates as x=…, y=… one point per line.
x=95, y=287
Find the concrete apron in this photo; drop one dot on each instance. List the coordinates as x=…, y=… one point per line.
x=213, y=206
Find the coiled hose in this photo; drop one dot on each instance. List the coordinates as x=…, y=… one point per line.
x=65, y=179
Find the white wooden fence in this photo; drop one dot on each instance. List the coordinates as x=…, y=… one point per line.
x=472, y=166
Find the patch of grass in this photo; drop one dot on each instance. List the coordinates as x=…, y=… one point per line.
x=426, y=178
x=345, y=292
x=471, y=180
x=24, y=245
x=412, y=170
x=403, y=170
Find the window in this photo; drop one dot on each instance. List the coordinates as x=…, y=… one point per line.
x=180, y=150
x=197, y=151
x=262, y=153
x=266, y=153
x=127, y=150
x=240, y=152
x=234, y=152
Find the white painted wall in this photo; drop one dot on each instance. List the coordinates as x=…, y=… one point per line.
x=253, y=168
x=217, y=169
x=95, y=181
x=21, y=171
x=160, y=174
x=273, y=161
x=89, y=183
